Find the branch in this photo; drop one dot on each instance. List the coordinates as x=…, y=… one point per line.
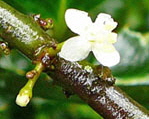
x=93, y=84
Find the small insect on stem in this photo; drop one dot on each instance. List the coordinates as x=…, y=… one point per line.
x=105, y=74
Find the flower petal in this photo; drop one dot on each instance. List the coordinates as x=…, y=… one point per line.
x=105, y=20
x=77, y=20
x=75, y=49
x=112, y=38
x=107, y=57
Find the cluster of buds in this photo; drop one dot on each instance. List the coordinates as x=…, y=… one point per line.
x=44, y=23
x=4, y=48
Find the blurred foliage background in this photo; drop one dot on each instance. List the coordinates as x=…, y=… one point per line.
x=49, y=101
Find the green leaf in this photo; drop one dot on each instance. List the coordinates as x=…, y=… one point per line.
x=134, y=65
x=16, y=63
x=134, y=52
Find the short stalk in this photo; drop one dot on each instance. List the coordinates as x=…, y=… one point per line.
x=25, y=93
x=53, y=51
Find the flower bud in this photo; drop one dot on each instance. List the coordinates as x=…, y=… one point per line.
x=22, y=100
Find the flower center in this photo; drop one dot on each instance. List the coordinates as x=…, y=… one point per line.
x=97, y=34
x=92, y=34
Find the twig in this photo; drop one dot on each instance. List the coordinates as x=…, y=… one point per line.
x=23, y=33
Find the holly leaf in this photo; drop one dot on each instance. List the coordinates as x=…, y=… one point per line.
x=134, y=51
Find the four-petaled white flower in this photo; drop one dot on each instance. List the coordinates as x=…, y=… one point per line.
x=96, y=37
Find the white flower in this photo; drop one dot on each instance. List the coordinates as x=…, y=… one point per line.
x=22, y=100
x=97, y=37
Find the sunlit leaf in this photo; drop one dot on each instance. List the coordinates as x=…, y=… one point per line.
x=134, y=51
